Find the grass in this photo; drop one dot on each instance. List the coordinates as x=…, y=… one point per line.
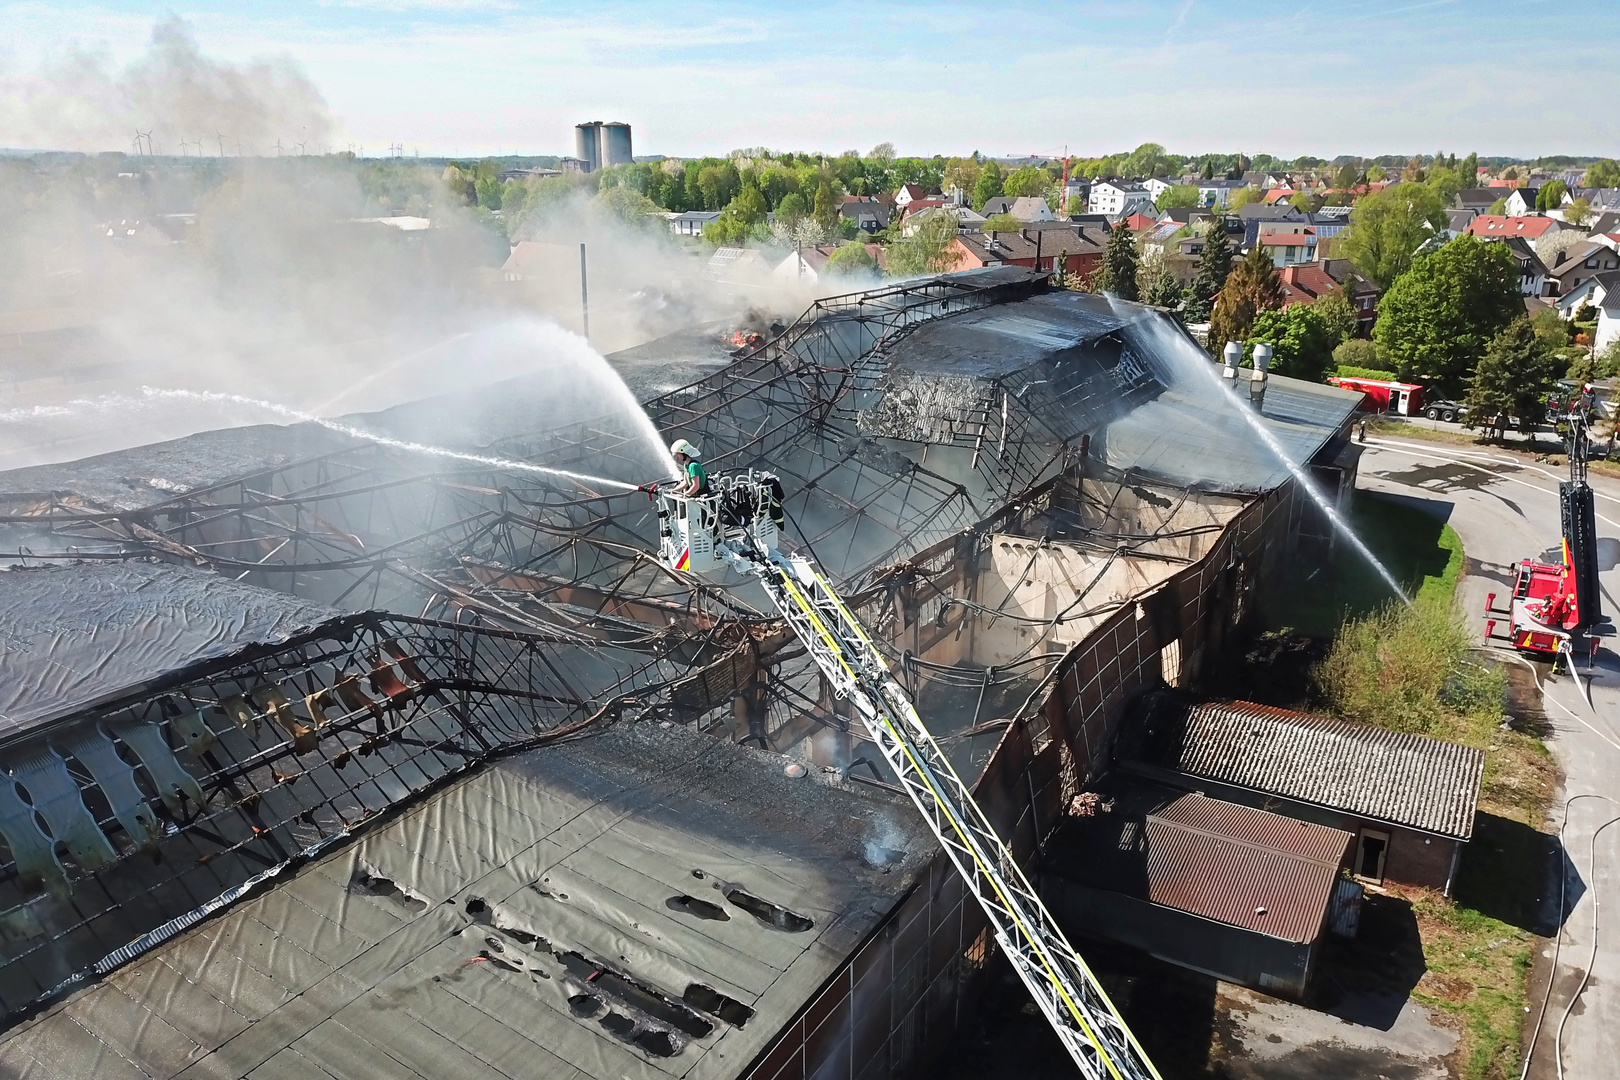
x=1397, y=430
x=1424, y=554
x=1413, y=669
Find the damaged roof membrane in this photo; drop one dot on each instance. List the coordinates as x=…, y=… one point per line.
x=646, y=903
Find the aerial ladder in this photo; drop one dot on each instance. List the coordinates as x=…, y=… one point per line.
x=738, y=524
x=1554, y=607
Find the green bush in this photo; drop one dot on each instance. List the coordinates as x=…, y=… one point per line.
x=1406, y=667
x=1367, y=373
x=1355, y=353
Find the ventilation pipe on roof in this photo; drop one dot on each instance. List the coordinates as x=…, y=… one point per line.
x=1257, y=381
x=1232, y=354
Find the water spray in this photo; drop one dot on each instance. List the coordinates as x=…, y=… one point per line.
x=217, y=398
x=1232, y=354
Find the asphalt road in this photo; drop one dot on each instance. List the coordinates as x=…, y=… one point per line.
x=1505, y=508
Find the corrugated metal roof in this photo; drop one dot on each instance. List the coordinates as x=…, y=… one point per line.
x=1244, y=867
x=1217, y=860
x=1391, y=776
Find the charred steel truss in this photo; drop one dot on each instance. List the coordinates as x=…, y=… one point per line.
x=524, y=608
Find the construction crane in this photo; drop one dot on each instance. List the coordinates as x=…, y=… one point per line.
x=738, y=524
x=1554, y=607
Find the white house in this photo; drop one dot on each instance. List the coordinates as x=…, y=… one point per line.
x=1603, y=293
x=1156, y=186
x=1521, y=202
x=1116, y=197
x=692, y=222
x=908, y=194
x=1217, y=192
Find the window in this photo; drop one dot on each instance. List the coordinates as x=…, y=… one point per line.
x=1371, y=850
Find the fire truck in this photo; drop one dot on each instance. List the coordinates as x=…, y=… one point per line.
x=1554, y=608
x=1402, y=399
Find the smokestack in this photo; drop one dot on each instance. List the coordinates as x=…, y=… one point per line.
x=1233, y=354
x=1262, y=367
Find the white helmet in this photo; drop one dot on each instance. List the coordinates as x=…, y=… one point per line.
x=681, y=446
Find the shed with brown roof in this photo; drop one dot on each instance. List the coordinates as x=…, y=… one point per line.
x=1216, y=886
x=1409, y=799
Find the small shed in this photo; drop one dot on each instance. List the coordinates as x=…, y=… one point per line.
x=1228, y=890
x=1408, y=799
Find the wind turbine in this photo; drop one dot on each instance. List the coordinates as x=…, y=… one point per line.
x=221, y=137
x=278, y=148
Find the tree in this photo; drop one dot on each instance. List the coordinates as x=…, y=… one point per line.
x=851, y=259
x=1347, y=177
x=961, y=174
x=1498, y=208
x=927, y=250
x=1436, y=320
x=1578, y=212
x=1026, y=181
x=1551, y=195
x=1513, y=377
x=1337, y=314
x=826, y=206
x=1549, y=244
x=1146, y=160
x=1301, y=340
x=1603, y=174
x=748, y=206
x=1304, y=200
x=1208, y=171
x=1182, y=195
x=1117, y=274
x=1214, y=264
x=1001, y=223
x=1387, y=228
x=1356, y=353
x=1445, y=182
x=1251, y=287
x=1468, y=171
x=882, y=154
x=1161, y=288
x=987, y=186
x=792, y=207
x=1243, y=197
x=1606, y=364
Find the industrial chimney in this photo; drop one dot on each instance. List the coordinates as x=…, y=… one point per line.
x=587, y=145
x=1233, y=354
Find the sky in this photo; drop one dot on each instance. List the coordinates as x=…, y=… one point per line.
x=474, y=77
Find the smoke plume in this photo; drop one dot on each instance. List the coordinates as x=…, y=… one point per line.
x=82, y=101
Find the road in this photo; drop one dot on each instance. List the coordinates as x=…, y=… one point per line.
x=1505, y=507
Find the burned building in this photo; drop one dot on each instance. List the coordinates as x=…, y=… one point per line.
x=482, y=762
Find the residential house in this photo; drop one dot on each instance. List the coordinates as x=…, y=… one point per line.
x=1607, y=222
x=1158, y=185
x=1076, y=193
x=1457, y=222
x=691, y=222
x=526, y=174
x=1022, y=207
x=1194, y=216
x=1532, y=271
x=1289, y=248
x=535, y=259
x=1306, y=283
x=1095, y=222
x=1610, y=240
x=908, y=194
x=1522, y=201
x=1479, y=200
x=1218, y=192
x=1494, y=227
x=1602, y=291
x=870, y=214
x=1261, y=178
x=966, y=218
x=1139, y=223
x=1077, y=251
x=1574, y=265
x=809, y=265
x=739, y=265
x=1118, y=198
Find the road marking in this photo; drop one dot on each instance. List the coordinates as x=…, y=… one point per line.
x=1395, y=449
x=1480, y=454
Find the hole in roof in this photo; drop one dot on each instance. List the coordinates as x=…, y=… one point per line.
x=713, y=1002
x=701, y=909
x=773, y=915
x=655, y=1042
x=584, y=1005
x=476, y=905
x=371, y=884
x=618, y=1023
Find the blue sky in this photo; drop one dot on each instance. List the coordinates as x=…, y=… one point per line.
x=489, y=76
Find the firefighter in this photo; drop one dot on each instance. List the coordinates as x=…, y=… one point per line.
x=696, y=481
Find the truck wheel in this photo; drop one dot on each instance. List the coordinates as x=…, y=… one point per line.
x=1432, y=413
x=1449, y=416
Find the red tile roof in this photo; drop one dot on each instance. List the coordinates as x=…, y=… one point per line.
x=1496, y=226
x=1139, y=222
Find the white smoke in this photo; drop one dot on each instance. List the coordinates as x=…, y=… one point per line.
x=83, y=101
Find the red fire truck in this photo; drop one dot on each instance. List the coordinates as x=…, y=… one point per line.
x=1554, y=608
x=1403, y=399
